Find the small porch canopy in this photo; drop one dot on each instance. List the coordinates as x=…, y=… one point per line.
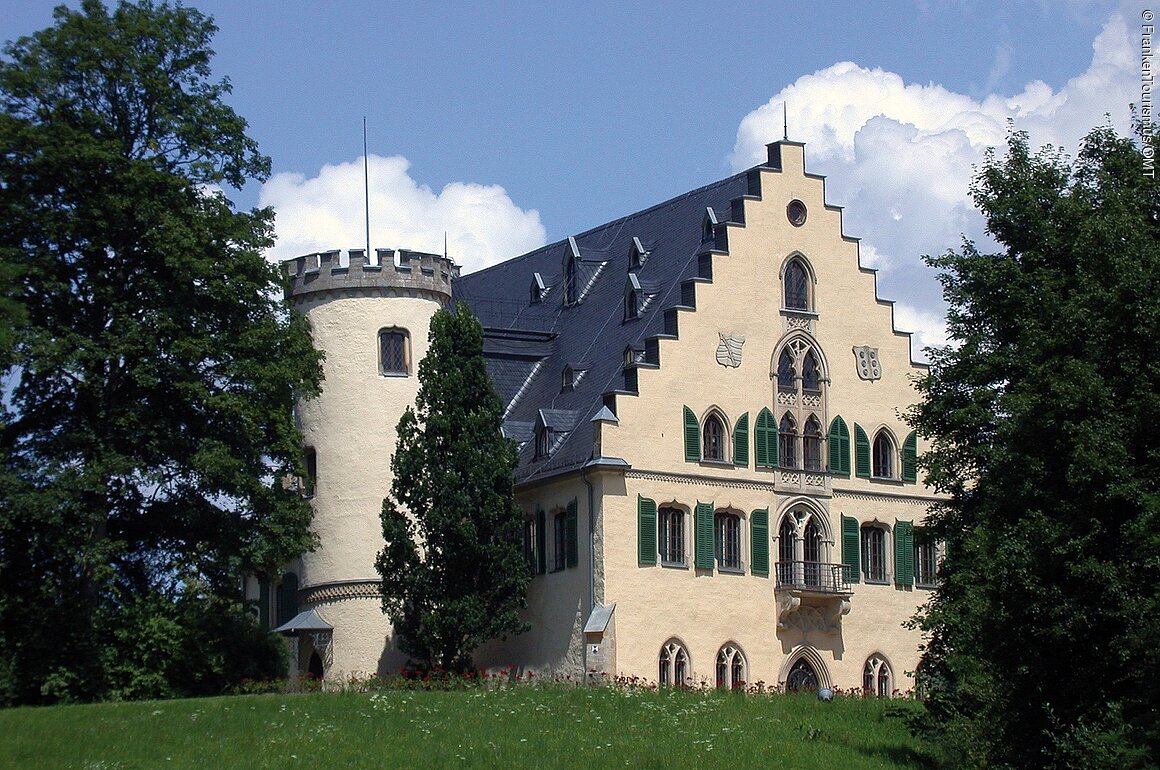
x=309, y=622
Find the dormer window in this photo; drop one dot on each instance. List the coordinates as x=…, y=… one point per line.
x=538, y=289
x=567, y=378
x=631, y=356
x=632, y=296
x=707, y=225
x=543, y=441
x=637, y=255
x=571, y=279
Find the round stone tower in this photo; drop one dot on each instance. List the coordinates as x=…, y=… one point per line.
x=371, y=322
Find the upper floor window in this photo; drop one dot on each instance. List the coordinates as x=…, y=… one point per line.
x=812, y=444
x=785, y=372
x=727, y=541
x=394, y=352
x=713, y=439
x=671, y=535
x=925, y=559
x=811, y=373
x=310, y=461
x=874, y=553
x=883, y=457
x=796, y=281
x=787, y=441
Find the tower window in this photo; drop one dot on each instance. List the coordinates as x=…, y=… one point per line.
x=394, y=352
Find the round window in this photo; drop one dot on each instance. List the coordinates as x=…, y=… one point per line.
x=796, y=212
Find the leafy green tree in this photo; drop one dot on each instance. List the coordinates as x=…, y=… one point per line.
x=453, y=571
x=1044, y=634
x=154, y=373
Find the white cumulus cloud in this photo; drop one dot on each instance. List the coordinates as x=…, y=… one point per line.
x=482, y=224
x=900, y=156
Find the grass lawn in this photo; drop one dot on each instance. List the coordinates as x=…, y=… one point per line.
x=519, y=727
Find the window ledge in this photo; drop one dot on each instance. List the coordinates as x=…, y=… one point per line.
x=876, y=581
x=675, y=564
x=887, y=480
x=731, y=570
x=799, y=311
x=719, y=463
x=928, y=586
x=396, y=375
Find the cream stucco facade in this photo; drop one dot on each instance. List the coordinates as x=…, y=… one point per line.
x=708, y=397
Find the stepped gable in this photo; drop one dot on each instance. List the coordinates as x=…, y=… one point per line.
x=594, y=330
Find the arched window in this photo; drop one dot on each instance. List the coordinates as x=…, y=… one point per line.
x=785, y=372
x=394, y=352
x=787, y=441
x=785, y=552
x=713, y=439
x=811, y=373
x=812, y=444
x=796, y=286
x=730, y=667
x=727, y=541
x=802, y=677
x=674, y=665
x=876, y=677
x=812, y=553
x=567, y=378
x=671, y=535
x=631, y=305
x=874, y=553
x=883, y=463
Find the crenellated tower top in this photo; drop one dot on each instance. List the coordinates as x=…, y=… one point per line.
x=413, y=272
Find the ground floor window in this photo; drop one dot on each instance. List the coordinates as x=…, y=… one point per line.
x=730, y=667
x=876, y=678
x=674, y=665
x=802, y=676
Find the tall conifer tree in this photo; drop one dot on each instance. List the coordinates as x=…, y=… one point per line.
x=453, y=571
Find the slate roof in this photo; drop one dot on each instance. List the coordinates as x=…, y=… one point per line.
x=529, y=343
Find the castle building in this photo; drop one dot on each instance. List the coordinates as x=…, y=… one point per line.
x=707, y=396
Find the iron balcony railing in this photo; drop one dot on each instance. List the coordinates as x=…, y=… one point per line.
x=812, y=576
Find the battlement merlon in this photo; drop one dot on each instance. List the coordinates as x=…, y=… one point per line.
x=410, y=271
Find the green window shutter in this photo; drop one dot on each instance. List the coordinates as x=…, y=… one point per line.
x=910, y=458
x=287, y=598
x=692, y=436
x=903, y=553
x=704, y=524
x=760, y=442
x=765, y=440
x=759, y=541
x=861, y=453
x=646, y=527
x=264, y=605
x=541, y=542
x=741, y=441
x=850, y=558
x=573, y=546
x=839, y=446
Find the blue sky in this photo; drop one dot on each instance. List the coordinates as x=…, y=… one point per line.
x=511, y=125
